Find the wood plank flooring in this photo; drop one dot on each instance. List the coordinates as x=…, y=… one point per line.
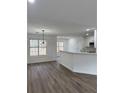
x=52, y=77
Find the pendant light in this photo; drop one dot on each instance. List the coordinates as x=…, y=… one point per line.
x=43, y=37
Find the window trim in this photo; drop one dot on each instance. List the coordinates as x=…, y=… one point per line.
x=60, y=46
x=38, y=48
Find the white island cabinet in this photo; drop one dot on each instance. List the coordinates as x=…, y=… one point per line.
x=79, y=62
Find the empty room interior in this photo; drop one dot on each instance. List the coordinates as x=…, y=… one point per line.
x=62, y=46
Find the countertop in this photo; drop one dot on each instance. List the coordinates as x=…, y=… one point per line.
x=84, y=53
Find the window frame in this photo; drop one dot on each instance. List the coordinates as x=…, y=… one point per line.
x=58, y=46
x=37, y=47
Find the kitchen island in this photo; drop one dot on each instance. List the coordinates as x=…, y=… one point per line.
x=79, y=62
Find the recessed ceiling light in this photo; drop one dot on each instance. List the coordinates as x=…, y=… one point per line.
x=87, y=29
x=31, y=1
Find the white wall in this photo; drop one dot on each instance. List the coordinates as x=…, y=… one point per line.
x=65, y=41
x=75, y=44
x=51, y=49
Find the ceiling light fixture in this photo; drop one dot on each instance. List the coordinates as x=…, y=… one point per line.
x=43, y=37
x=31, y=1
x=87, y=29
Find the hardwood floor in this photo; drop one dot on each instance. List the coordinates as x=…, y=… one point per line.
x=52, y=77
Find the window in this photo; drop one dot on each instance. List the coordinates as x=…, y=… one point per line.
x=33, y=47
x=37, y=48
x=60, y=46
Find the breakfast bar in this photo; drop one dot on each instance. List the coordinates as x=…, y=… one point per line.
x=79, y=62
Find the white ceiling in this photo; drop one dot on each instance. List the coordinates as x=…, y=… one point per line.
x=62, y=17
